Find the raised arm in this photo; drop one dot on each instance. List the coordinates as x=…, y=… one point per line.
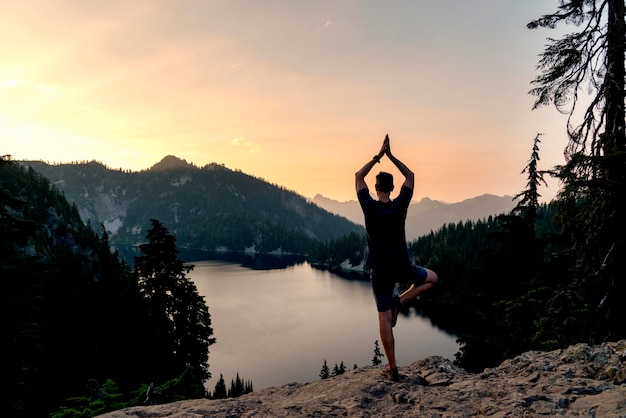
x=360, y=175
x=409, y=177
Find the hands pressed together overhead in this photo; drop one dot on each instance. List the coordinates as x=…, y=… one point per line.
x=385, y=149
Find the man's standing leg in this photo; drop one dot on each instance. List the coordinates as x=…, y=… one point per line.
x=383, y=288
x=386, y=336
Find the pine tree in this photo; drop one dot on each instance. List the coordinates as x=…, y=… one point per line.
x=376, y=360
x=182, y=320
x=247, y=386
x=325, y=372
x=337, y=370
x=239, y=387
x=594, y=176
x=220, y=389
x=529, y=198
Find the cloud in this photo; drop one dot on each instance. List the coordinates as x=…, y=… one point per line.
x=12, y=83
x=245, y=145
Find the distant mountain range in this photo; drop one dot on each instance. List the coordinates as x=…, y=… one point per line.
x=215, y=208
x=210, y=208
x=428, y=215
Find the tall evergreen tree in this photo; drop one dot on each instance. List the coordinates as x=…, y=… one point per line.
x=529, y=198
x=325, y=372
x=239, y=387
x=220, y=391
x=183, y=324
x=376, y=360
x=594, y=175
x=337, y=370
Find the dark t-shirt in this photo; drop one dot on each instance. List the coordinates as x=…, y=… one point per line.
x=384, y=222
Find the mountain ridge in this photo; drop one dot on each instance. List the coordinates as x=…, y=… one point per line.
x=103, y=197
x=428, y=215
x=209, y=208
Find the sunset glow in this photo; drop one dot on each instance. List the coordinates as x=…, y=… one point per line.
x=300, y=94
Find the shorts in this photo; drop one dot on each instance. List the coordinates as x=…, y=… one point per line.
x=383, y=284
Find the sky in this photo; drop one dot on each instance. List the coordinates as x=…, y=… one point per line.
x=298, y=93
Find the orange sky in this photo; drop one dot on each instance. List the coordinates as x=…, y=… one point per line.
x=298, y=93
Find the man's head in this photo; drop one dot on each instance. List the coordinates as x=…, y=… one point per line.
x=384, y=182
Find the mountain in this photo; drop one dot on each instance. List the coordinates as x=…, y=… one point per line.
x=215, y=208
x=209, y=208
x=427, y=214
x=350, y=209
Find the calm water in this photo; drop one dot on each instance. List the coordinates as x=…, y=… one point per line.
x=278, y=326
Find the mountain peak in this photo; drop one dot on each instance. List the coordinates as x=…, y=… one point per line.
x=170, y=162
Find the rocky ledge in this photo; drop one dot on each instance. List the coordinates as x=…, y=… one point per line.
x=581, y=381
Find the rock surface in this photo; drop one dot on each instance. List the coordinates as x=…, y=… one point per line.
x=582, y=381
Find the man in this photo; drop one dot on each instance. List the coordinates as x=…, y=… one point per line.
x=388, y=253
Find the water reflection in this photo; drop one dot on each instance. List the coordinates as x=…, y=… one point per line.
x=276, y=326
x=249, y=260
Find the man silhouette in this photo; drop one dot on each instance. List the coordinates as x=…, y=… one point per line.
x=388, y=256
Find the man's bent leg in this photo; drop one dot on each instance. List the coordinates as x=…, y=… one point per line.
x=414, y=291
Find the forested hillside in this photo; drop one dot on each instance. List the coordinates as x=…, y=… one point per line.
x=206, y=208
x=77, y=322
x=503, y=288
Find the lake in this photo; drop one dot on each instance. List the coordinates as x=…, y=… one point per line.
x=277, y=326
